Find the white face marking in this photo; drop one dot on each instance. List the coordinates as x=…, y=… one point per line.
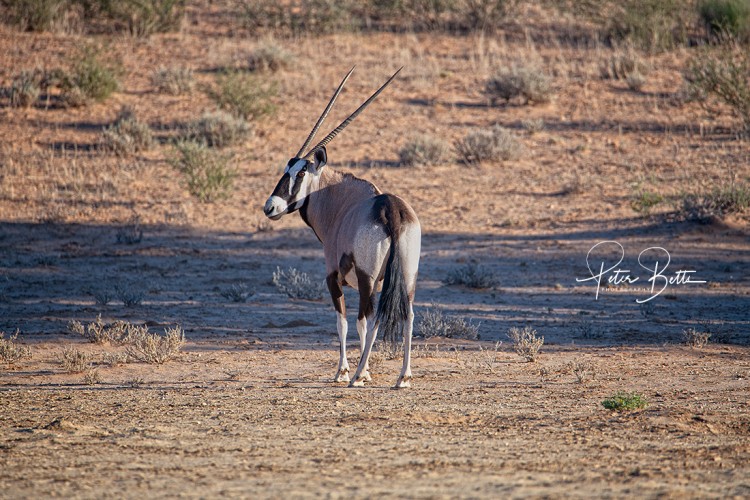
x=275, y=206
x=293, y=171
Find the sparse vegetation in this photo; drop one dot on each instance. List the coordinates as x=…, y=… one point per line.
x=90, y=79
x=10, y=351
x=624, y=62
x=244, y=95
x=296, y=284
x=433, y=322
x=718, y=203
x=36, y=15
x=695, y=338
x=24, y=89
x=154, y=348
x=269, y=56
x=643, y=201
x=525, y=342
x=74, y=360
x=724, y=18
x=424, y=150
x=92, y=377
x=472, y=275
x=238, y=293
x=533, y=125
x=528, y=84
x=584, y=370
x=127, y=134
x=653, y=25
x=724, y=75
x=624, y=401
x=218, y=129
x=173, y=80
x=498, y=143
x=207, y=173
x=144, y=17
x=130, y=295
x=98, y=332
x=130, y=234
x=114, y=358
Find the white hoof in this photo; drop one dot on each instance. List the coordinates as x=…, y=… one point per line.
x=342, y=376
x=358, y=382
x=403, y=382
x=367, y=377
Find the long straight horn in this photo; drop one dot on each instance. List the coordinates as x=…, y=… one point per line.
x=346, y=122
x=325, y=114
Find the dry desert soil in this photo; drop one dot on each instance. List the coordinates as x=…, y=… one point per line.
x=249, y=408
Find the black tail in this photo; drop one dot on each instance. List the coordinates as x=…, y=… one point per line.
x=393, y=306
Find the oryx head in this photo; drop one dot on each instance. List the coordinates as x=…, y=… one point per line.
x=303, y=170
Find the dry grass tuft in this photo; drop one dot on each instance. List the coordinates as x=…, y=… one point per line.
x=207, y=173
x=269, y=56
x=10, y=351
x=244, y=95
x=433, y=322
x=238, y=293
x=525, y=342
x=425, y=150
x=472, y=275
x=74, y=360
x=154, y=348
x=218, y=129
x=25, y=89
x=173, y=80
x=694, y=338
x=297, y=285
x=527, y=85
x=496, y=144
x=716, y=204
x=127, y=134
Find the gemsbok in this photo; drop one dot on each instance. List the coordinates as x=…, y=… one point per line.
x=370, y=239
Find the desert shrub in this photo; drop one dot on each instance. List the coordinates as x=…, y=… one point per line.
x=533, y=125
x=695, y=338
x=238, y=293
x=243, y=95
x=25, y=89
x=643, y=201
x=424, y=150
x=74, y=361
x=528, y=84
x=207, y=173
x=471, y=275
x=497, y=143
x=90, y=78
x=92, y=377
x=35, y=15
x=114, y=358
x=724, y=75
x=154, y=348
x=482, y=14
x=126, y=135
x=297, y=284
x=313, y=16
x=525, y=342
x=173, y=80
x=652, y=25
x=718, y=203
x=624, y=62
x=433, y=322
x=10, y=351
x=131, y=233
x=269, y=56
x=99, y=333
x=624, y=401
x=218, y=129
x=726, y=17
x=130, y=295
x=145, y=17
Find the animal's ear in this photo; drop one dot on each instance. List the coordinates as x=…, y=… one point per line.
x=321, y=158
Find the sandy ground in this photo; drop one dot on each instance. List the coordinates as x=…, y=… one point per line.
x=249, y=407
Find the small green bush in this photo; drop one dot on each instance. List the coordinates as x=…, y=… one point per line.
x=424, y=150
x=652, y=25
x=90, y=78
x=726, y=17
x=644, y=201
x=208, y=174
x=144, y=17
x=35, y=15
x=244, y=95
x=724, y=75
x=624, y=401
x=218, y=129
x=496, y=144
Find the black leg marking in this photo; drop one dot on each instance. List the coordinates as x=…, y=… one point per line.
x=366, y=294
x=337, y=293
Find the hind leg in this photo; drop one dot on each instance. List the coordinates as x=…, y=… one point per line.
x=337, y=295
x=404, y=380
x=360, y=375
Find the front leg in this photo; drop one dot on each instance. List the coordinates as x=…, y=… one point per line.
x=337, y=295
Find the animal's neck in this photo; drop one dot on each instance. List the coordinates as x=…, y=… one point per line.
x=333, y=196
